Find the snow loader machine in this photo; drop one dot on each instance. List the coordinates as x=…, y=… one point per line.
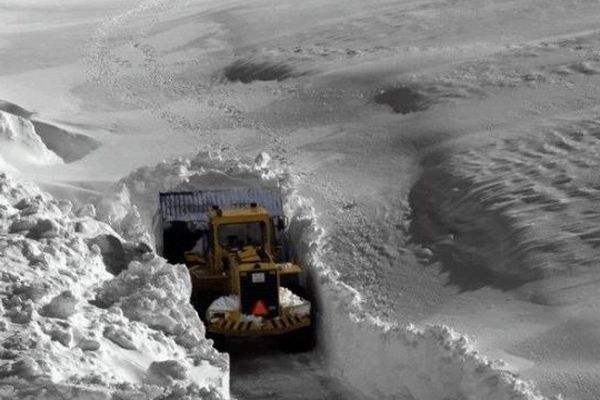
x=234, y=244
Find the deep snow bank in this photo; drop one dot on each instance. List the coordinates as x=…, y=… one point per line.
x=69, y=329
x=26, y=140
x=380, y=359
x=70, y=146
x=21, y=145
x=387, y=360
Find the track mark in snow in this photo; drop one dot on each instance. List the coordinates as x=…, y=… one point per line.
x=310, y=379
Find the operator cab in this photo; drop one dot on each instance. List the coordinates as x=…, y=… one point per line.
x=241, y=229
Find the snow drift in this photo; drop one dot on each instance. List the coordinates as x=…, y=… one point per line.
x=40, y=141
x=415, y=363
x=21, y=145
x=70, y=146
x=70, y=329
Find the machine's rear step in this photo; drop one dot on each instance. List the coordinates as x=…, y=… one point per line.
x=275, y=326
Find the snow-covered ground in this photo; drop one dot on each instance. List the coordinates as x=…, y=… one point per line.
x=439, y=161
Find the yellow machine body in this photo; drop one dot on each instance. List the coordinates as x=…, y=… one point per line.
x=245, y=270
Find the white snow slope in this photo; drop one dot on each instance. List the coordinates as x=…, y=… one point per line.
x=383, y=360
x=71, y=330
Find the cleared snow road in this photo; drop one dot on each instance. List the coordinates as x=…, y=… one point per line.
x=260, y=371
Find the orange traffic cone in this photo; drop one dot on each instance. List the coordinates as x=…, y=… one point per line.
x=260, y=309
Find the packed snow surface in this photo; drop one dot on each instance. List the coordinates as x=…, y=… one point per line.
x=70, y=329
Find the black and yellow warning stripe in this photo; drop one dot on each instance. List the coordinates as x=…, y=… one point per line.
x=275, y=326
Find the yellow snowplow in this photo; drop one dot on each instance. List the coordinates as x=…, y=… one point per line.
x=233, y=242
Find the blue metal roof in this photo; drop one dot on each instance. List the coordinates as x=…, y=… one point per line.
x=194, y=205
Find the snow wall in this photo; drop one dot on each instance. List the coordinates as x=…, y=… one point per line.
x=381, y=359
x=73, y=327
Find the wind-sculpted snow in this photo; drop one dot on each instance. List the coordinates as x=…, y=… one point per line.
x=380, y=359
x=20, y=144
x=70, y=146
x=515, y=210
x=25, y=141
x=70, y=329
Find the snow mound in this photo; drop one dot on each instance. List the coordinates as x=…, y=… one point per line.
x=20, y=144
x=431, y=362
x=70, y=329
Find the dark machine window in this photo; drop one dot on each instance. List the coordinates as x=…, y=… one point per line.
x=240, y=235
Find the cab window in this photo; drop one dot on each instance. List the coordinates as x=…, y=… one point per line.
x=240, y=235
